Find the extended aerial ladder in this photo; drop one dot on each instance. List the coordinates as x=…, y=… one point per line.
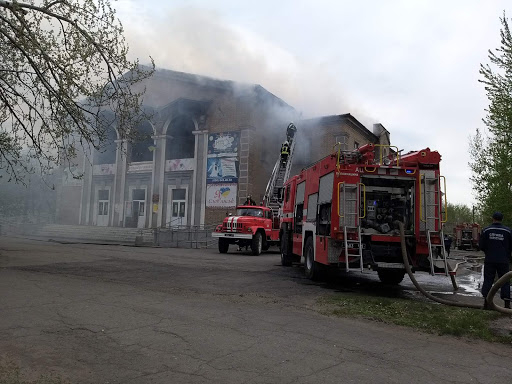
x=281, y=172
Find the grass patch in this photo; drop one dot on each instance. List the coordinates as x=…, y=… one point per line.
x=427, y=317
x=10, y=373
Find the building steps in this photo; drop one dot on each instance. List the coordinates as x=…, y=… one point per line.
x=176, y=237
x=95, y=234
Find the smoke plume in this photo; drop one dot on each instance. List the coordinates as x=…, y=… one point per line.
x=199, y=41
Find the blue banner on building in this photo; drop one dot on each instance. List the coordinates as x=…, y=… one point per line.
x=223, y=144
x=222, y=162
x=222, y=170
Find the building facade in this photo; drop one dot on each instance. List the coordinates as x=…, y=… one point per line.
x=208, y=145
x=327, y=134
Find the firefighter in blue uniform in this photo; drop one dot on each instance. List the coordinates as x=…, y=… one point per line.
x=496, y=242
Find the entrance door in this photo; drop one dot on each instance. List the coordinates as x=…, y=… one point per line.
x=102, y=213
x=139, y=207
x=178, y=207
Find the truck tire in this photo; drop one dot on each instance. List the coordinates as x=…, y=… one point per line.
x=223, y=245
x=257, y=244
x=391, y=276
x=311, y=267
x=286, y=259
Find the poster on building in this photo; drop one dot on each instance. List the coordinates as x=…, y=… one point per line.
x=179, y=165
x=142, y=166
x=104, y=169
x=222, y=170
x=221, y=195
x=223, y=144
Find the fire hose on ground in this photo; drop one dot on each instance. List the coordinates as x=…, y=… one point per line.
x=497, y=285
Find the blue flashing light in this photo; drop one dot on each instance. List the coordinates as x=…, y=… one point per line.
x=409, y=171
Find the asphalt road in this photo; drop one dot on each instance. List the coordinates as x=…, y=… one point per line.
x=116, y=314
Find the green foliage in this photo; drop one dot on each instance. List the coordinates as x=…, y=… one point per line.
x=491, y=150
x=460, y=213
x=64, y=81
x=427, y=317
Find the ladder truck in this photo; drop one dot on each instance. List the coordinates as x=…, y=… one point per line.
x=281, y=172
x=343, y=211
x=257, y=226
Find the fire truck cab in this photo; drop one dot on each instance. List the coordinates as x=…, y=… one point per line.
x=252, y=226
x=343, y=211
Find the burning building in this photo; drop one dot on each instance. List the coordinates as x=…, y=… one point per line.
x=208, y=145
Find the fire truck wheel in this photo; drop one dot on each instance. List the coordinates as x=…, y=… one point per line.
x=286, y=260
x=393, y=277
x=257, y=244
x=223, y=246
x=311, y=267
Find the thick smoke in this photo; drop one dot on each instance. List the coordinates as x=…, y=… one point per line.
x=199, y=41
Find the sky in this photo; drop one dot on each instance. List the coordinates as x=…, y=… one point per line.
x=412, y=66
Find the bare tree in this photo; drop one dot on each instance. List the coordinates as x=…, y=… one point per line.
x=64, y=80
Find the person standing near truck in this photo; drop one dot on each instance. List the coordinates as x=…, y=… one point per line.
x=447, y=244
x=496, y=242
x=249, y=201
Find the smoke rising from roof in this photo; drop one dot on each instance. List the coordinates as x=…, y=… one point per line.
x=199, y=41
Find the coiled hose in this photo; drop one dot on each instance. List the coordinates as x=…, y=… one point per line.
x=489, y=298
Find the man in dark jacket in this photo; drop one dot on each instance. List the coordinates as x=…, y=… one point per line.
x=496, y=242
x=249, y=201
x=447, y=244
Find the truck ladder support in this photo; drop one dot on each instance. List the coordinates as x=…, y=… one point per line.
x=432, y=247
x=359, y=248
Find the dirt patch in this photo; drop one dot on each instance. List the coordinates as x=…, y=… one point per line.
x=502, y=326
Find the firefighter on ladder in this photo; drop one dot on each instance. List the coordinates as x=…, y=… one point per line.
x=285, y=152
x=290, y=132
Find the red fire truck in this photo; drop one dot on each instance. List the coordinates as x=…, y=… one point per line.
x=258, y=226
x=251, y=226
x=467, y=236
x=344, y=210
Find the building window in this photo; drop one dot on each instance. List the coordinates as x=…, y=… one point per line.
x=107, y=151
x=178, y=206
x=356, y=145
x=103, y=194
x=181, y=145
x=103, y=201
x=343, y=142
x=139, y=194
x=143, y=145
